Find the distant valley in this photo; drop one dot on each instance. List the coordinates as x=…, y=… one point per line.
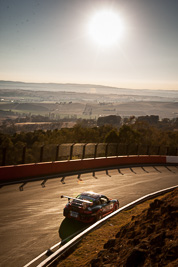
x=85, y=101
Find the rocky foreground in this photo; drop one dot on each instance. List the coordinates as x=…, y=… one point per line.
x=149, y=239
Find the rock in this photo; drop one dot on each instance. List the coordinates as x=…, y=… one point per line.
x=95, y=263
x=144, y=244
x=174, y=215
x=110, y=243
x=136, y=258
x=172, y=253
x=102, y=252
x=156, y=204
x=131, y=234
x=158, y=240
x=135, y=241
x=150, y=229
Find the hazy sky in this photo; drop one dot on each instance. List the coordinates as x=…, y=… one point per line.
x=50, y=41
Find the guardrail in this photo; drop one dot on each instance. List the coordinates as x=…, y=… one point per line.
x=57, y=152
x=56, y=255
x=46, y=170
x=51, y=249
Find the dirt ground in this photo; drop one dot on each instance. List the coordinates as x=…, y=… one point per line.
x=149, y=239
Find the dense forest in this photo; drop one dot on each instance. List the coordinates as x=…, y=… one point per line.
x=142, y=133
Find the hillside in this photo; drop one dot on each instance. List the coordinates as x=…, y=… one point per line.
x=150, y=239
x=89, y=88
x=84, y=108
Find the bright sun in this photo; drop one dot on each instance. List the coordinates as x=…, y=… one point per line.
x=105, y=28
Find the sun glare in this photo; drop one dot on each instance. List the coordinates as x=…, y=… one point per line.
x=105, y=28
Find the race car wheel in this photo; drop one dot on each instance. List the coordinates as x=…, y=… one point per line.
x=116, y=207
x=98, y=216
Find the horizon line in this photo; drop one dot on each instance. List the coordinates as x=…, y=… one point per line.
x=88, y=84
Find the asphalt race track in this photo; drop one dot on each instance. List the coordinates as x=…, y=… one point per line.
x=31, y=215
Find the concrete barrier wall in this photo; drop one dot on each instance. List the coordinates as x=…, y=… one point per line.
x=172, y=159
x=20, y=172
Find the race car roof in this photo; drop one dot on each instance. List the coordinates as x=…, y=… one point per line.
x=91, y=194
